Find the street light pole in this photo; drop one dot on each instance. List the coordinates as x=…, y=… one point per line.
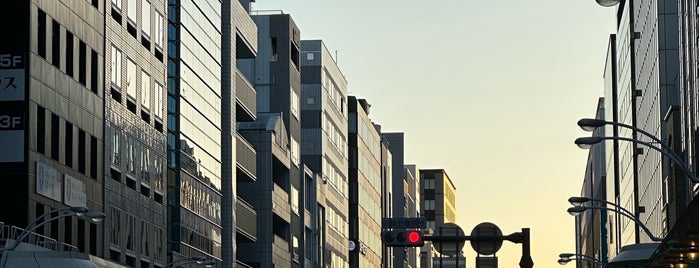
x=38, y=222
x=199, y=260
x=579, y=209
x=587, y=142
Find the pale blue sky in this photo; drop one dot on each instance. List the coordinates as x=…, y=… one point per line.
x=488, y=90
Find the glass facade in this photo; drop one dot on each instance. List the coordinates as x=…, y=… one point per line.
x=194, y=126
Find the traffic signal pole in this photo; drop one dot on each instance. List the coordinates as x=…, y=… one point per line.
x=517, y=238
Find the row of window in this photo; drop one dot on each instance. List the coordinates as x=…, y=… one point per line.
x=151, y=21
x=336, y=179
x=76, y=68
x=150, y=165
x=68, y=140
x=335, y=135
x=334, y=94
x=337, y=222
x=149, y=104
x=135, y=235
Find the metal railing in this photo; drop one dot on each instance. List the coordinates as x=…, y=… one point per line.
x=9, y=232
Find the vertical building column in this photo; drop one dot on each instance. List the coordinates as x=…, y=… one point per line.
x=227, y=140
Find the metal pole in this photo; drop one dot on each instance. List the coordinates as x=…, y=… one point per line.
x=526, y=260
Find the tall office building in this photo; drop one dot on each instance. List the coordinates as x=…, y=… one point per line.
x=275, y=73
x=403, y=199
x=52, y=113
x=135, y=115
x=386, y=195
x=324, y=147
x=364, y=186
x=205, y=40
x=592, y=234
x=656, y=90
x=438, y=206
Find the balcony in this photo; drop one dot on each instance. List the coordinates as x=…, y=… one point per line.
x=246, y=219
x=245, y=99
x=246, y=33
x=280, y=252
x=280, y=203
x=245, y=159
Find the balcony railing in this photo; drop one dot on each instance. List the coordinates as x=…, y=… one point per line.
x=246, y=219
x=246, y=157
x=280, y=203
x=8, y=232
x=281, y=255
x=246, y=99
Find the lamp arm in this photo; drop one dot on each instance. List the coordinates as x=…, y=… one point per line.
x=612, y=204
x=638, y=222
x=181, y=262
x=29, y=231
x=586, y=258
x=670, y=155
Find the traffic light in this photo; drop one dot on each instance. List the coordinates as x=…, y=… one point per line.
x=402, y=238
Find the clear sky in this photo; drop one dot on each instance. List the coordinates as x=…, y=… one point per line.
x=488, y=90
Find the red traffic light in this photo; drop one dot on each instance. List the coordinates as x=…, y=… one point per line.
x=414, y=237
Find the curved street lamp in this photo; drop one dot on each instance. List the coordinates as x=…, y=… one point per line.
x=587, y=142
x=565, y=258
x=41, y=221
x=580, y=209
x=199, y=260
x=607, y=3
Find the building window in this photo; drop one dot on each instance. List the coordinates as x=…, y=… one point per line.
x=145, y=90
x=40, y=129
x=429, y=204
x=158, y=101
x=295, y=151
x=159, y=30
x=295, y=103
x=116, y=152
x=130, y=231
x=93, y=157
x=131, y=11
x=145, y=18
x=82, y=63
x=69, y=144
x=116, y=67
x=41, y=40
x=69, y=53
x=294, y=200
x=145, y=238
x=93, y=72
x=131, y=78
x=116, y=4
x=55, y=134
x=130, y=152
x=429, y=184
x=56, y=44
x=81, y=151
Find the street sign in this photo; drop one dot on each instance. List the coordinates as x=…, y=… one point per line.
x=486, y=246
x=403, y=223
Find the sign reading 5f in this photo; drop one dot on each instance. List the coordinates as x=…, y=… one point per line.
x=9, y=61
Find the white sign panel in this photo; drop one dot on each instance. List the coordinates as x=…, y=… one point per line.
x=74, y=192
x=11, y=84
x=47, y=181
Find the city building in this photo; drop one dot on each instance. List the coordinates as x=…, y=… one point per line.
x=438, y=206
x=52, y=111
x=404, y=196
x=135, y=138
x=324, y=147
x=364, y=186
x=386, y=195
x=206, y=39
x=275, y=74
x=591, y=233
